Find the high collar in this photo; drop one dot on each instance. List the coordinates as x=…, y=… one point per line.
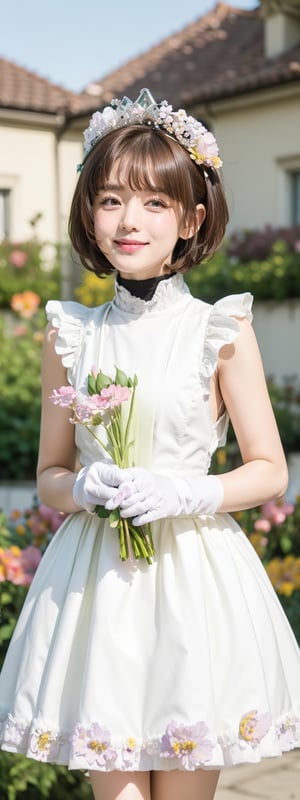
x=166, y=294
x=144, y=289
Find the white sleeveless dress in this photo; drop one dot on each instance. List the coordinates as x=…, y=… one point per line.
x=189, y=662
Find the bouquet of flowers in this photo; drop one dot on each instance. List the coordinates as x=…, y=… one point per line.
x=102, y=407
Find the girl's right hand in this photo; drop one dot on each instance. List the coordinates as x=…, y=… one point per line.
x=95, y=484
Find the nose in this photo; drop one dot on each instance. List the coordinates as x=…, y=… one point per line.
x=130, y=216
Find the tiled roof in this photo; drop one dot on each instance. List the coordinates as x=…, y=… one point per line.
x=219, y=55
x=25, y=91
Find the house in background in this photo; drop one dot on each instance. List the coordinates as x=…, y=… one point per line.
x=38, y=154
x=238, y=71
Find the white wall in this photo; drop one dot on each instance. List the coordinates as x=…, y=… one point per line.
x=277, y=327
x=257, y=143
x=27, y=158
x=41, y=175
x=69, y=156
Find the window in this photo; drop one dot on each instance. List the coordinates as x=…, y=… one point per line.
x=295, y=197
x=4, y=213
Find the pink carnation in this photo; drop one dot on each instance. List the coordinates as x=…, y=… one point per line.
x=63, y=397
x=88, y=408
x=114, y=395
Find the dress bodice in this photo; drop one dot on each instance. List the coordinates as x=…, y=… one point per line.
x=171, y=343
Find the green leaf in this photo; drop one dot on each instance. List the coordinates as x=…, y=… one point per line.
x=91, y=384
x=121, y=378
x=101, y=512
x=102, y=381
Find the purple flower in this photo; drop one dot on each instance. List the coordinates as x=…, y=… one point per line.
x=43, y=744
x=187, y=743
x=254, y=726
x=288, y=732
x=13, y=732
x=93, y=744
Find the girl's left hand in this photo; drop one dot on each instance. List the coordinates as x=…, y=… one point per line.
x=147, y=497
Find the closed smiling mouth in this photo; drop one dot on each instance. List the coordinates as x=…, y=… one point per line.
x=129, y=245
x=130, y=242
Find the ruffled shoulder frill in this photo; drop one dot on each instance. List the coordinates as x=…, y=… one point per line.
x=70, y=319
x=221, y=329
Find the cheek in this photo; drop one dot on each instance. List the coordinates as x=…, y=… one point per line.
x=100, y=226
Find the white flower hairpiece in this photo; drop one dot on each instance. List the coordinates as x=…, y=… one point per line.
x=188, y=131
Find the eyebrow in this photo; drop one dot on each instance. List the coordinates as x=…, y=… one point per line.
x=117, y=186
x=113, y=186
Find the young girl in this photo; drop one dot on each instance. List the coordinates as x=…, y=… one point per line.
x=153, y=676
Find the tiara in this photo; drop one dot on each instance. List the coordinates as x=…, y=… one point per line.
x=188, y=131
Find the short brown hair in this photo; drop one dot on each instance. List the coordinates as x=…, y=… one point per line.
x=149, y=152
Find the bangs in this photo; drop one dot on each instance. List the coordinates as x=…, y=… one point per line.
x=146, y=159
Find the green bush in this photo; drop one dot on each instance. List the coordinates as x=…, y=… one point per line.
x=274, y=532
x=20, y=397
x=25, y=779
x=29, y=276
x=29, y=266
x=276, y=277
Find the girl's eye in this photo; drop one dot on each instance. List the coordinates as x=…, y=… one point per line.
x=155, y=202
x=109, y=201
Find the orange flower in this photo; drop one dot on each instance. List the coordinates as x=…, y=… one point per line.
x=25, y=303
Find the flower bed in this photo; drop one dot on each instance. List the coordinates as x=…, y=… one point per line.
x=274, y=531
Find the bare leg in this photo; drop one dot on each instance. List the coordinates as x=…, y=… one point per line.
x=181, y=785
x=120, y=785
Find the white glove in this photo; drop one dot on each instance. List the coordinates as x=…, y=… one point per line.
x=95, y=484
x=146, y=496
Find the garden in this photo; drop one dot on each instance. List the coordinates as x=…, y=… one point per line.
x=267, y=263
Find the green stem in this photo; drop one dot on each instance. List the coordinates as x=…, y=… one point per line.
x=97, y=439
x=115, y=437
x=122, y=543
x=127, y=429
x=143, y=549
x=127, y=539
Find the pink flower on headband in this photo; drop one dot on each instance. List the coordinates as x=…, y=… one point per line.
x=188, y=131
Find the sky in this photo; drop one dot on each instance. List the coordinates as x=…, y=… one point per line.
x=74, y=43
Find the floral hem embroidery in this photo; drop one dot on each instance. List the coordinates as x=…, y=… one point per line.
x=191, y=746
x=254, y=726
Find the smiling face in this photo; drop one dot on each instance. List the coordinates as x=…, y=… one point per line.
x=139, y=205
x=136, y=229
